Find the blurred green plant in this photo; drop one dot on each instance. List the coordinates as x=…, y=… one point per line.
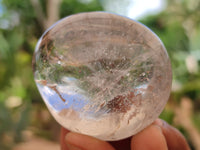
x=23, y=21
x=20, y=27
x=178, y=27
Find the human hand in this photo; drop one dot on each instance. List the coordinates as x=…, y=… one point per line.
x=157, y=136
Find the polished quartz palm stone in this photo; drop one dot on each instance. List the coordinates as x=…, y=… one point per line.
x=102, y=74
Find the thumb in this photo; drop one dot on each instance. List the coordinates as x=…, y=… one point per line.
x=150, y=138
x=175, y=140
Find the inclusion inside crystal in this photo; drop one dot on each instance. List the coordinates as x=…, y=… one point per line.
x=102, y=75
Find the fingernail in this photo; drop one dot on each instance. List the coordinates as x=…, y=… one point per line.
x=159, y=122
x=69, y=142
x=72, y=147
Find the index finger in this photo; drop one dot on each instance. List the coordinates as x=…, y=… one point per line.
x=62, y=138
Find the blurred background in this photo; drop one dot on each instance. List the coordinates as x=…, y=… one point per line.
x=24, y=119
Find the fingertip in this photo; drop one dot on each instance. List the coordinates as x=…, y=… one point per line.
x=70, y=140
x=150, y=138
x=85, y=142
x=175, y=140
x=62, y=138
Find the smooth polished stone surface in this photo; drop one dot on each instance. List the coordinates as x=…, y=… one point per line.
x=102, y=74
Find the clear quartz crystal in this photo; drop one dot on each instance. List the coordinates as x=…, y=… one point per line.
x=102, y=74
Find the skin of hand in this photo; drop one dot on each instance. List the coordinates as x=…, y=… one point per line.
x=158, y=136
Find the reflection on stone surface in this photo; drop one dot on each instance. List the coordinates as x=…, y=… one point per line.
x=103, y=75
